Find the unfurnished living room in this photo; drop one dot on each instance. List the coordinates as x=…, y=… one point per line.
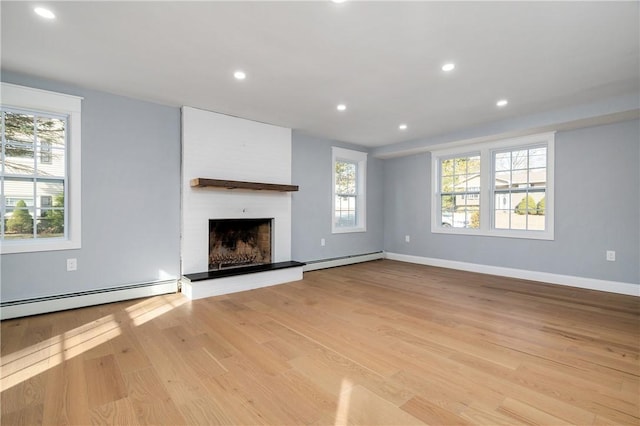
x=332, y=212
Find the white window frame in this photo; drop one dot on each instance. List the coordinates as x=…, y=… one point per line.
x=360, y=158
x=487, y=197
x=37, y=100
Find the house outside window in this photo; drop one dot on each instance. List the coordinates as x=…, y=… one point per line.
x=501, y=188
x=46, y=201
x=349, y=190
x=45, y=152
x=40, y=170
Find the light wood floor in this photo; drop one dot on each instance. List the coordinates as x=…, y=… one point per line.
x=382, y=342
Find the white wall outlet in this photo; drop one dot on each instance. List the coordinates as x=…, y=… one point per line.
x=407, y=238
x=72, y=265
x=322, y=242
x=611, y=255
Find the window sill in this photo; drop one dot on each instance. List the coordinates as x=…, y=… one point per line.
x=8, y=247
x=527, y=235
x=348, y=230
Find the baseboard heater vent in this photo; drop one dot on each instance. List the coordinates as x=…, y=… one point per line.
x=341, y=261
x=41, y=305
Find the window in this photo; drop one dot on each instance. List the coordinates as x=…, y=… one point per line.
x=502, y=188
x=519, y=188
x=349, y=190
x=40, y=150
x=460, y=191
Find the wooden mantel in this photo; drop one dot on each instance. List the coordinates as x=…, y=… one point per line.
x=235, y=184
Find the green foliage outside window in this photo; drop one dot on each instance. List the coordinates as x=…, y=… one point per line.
x=540, y=208
x=455, y=174
x=21, y=221
x=475, y=220
x=527, y=206
x=345, y=177
x=53, y=220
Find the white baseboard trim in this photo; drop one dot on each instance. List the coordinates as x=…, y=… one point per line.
x=42, y=305
x=219, y=286
x=546, y=277
x=341, y=261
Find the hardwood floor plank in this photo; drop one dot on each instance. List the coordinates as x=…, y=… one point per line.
x=67, y=394
x=149, y=399
x=363, y=407
x=203, y=411
x=104, y=381
x=251, y=349
x=31, y=415
x=480, y=417
x=530, y=415
x=430, y=413
x=250, y=390
x=118, y=412
x=179, y=379
x=381, y=342
x=129, y=355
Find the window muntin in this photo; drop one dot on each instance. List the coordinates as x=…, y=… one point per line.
x=40, y=186
x=460, y=192
x=349, y=191
x=510, y=171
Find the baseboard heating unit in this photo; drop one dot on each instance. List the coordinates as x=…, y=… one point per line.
x=41, y=305
x=341, y=261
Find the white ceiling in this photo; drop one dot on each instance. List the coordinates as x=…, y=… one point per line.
x=382, y=59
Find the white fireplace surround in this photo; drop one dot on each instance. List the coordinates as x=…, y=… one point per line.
x=219, y=146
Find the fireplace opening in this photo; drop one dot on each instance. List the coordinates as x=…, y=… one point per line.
x=235, y=243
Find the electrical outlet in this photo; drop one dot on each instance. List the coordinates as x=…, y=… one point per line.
x=322, y=242
x=72, y=265
x=407, y=238
x=611, y=255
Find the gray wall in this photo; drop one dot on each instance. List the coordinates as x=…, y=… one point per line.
x=311, y=206
x=597, y=207
x=131, y=205
x=130, y=200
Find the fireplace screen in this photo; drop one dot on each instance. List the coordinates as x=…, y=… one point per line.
x=239, y=242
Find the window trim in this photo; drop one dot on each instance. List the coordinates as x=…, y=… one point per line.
x=360, y=158
x=47, y=102
x=487, y=197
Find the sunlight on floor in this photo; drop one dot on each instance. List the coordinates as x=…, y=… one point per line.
x=342, y=413
x=152, y=308
x=29, y=362
x=38, y=358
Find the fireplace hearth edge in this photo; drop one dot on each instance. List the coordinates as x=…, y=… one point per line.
x=231, y=272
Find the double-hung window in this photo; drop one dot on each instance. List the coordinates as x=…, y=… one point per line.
x=349, y=190
x=501, y=188
x=40, y=170
x=519, y=188
x=460, y=191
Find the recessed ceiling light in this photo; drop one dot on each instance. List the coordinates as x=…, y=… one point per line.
x=341, y=107
x=448, y=67
x=338, y=1
x=402, y=127
x=45, y=13
x=502, y=102
x=239, y=75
